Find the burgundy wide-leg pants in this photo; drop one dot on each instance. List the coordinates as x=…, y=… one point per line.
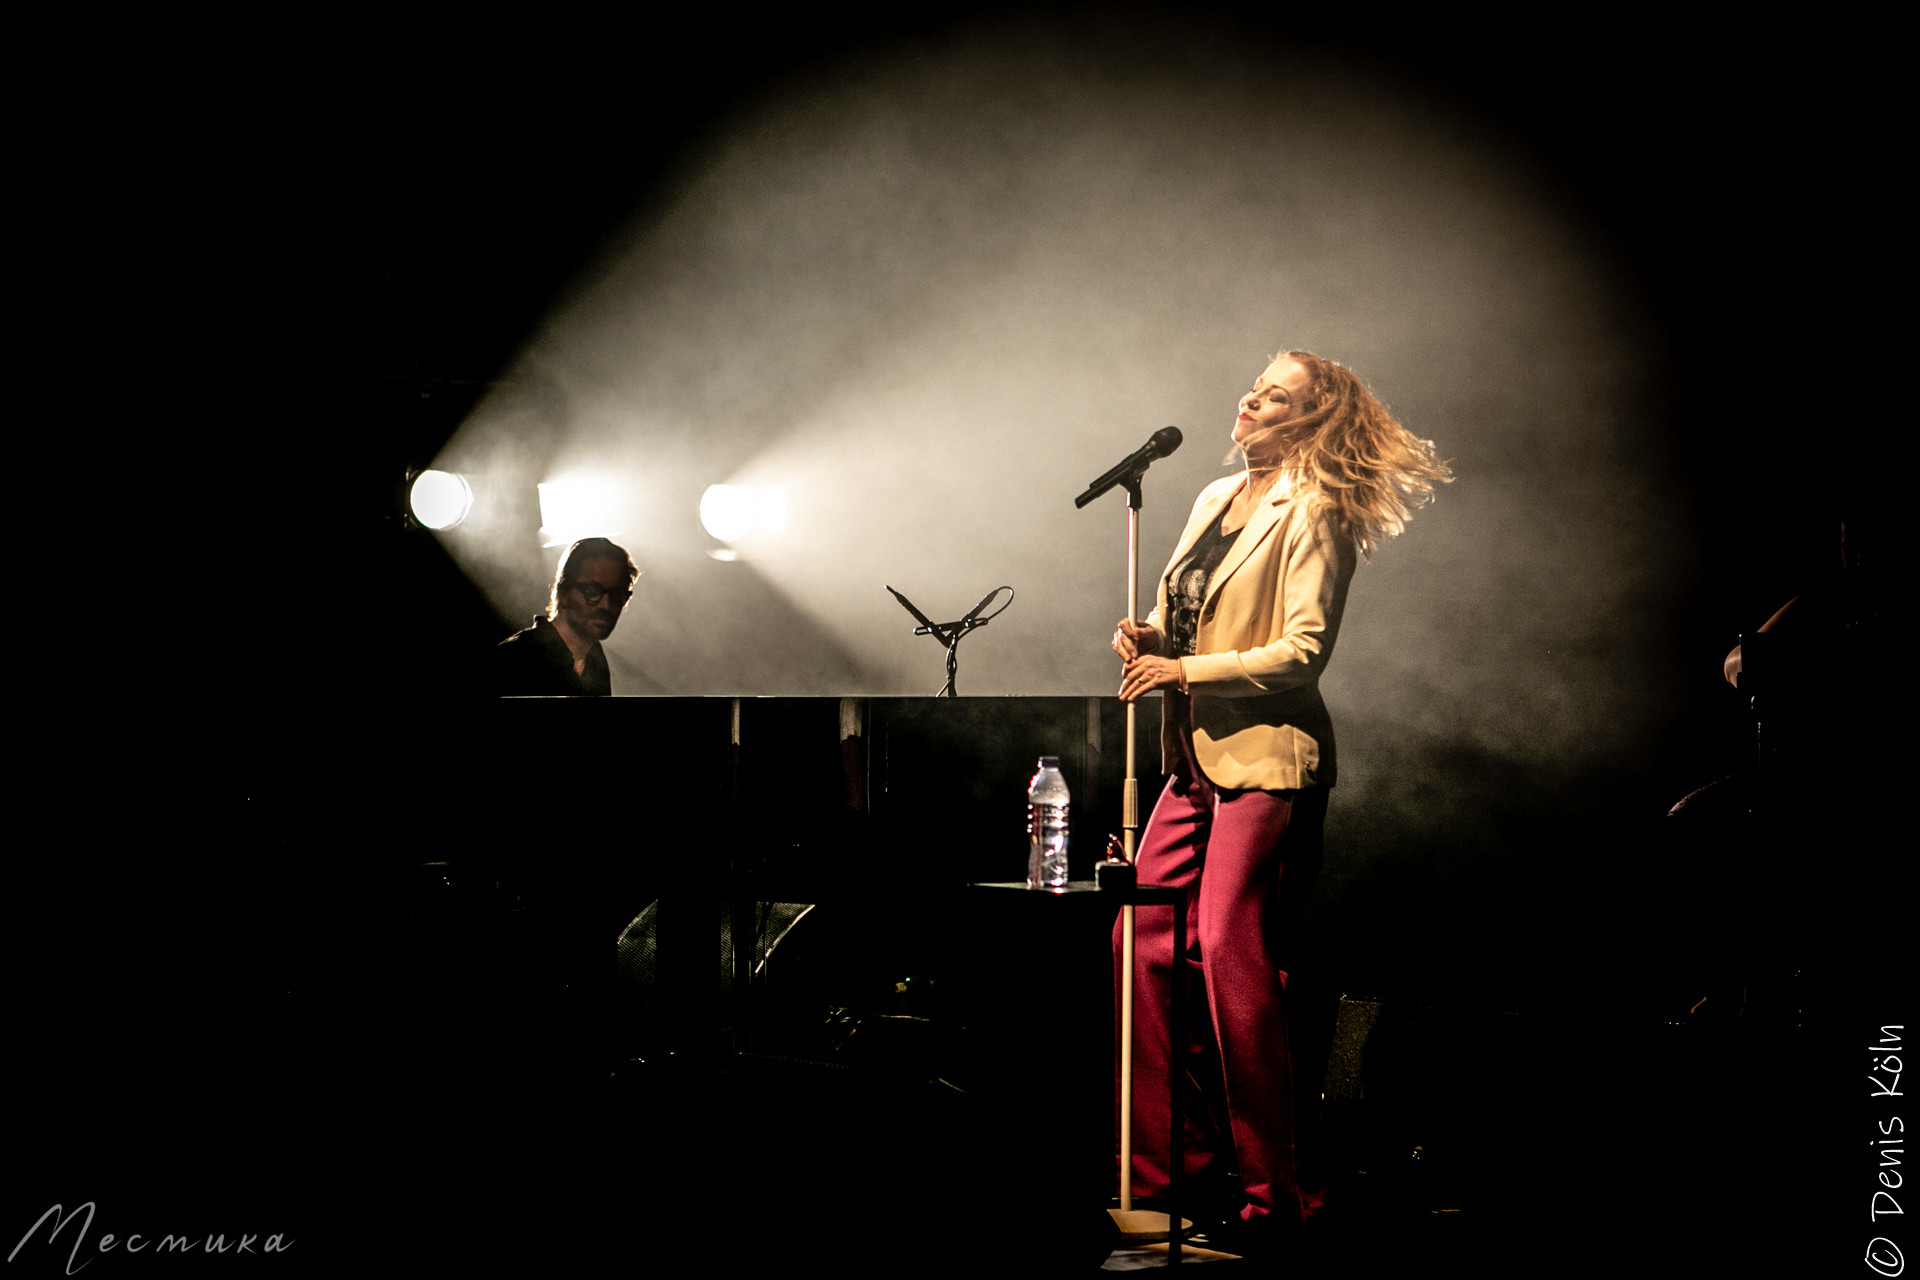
x=1248, y=860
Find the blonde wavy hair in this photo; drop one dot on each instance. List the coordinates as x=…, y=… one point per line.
x=1371, y=472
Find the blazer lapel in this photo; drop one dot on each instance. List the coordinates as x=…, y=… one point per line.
x=1261, y=524
x=1197, y=524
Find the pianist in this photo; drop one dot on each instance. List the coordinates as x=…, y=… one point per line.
x=560, y=654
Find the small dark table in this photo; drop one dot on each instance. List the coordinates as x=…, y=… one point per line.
x=1116, y=879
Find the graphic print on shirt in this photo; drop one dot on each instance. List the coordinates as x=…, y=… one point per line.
x=1187, y=588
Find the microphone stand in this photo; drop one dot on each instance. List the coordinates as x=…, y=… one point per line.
x=1138, y=1225
x=951, y=633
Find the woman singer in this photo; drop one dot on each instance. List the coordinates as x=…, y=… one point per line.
x=1245, y=621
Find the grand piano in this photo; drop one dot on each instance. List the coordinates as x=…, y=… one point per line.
x=557, y=840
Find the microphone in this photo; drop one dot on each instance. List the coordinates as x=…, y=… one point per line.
x=1158, y=445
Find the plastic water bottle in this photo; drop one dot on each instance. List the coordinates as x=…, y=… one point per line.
x=1047, y=803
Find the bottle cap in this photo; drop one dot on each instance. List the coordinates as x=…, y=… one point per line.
x=1049, y=762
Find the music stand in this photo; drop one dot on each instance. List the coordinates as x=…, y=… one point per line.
x=951, y=633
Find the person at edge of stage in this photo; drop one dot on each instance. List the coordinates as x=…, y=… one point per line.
x=1764, y=941
x=560, y=655
x=1246, y=618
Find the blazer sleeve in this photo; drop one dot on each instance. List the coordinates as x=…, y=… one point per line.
x=1315, y=564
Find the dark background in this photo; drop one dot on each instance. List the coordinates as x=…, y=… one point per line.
x=243, y=1006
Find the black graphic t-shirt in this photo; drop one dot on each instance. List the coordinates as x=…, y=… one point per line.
x=1187, y=587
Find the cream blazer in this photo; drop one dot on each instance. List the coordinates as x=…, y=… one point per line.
x=1266, y=629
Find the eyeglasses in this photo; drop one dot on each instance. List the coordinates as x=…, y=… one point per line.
x=592, y=592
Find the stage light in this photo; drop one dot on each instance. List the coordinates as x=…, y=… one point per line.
x=578, y=508
x=440, y=499
x=730, y=512
x=726, y=511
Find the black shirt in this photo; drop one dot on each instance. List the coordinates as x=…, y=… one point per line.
x=1187, y=587
x=537, y=663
